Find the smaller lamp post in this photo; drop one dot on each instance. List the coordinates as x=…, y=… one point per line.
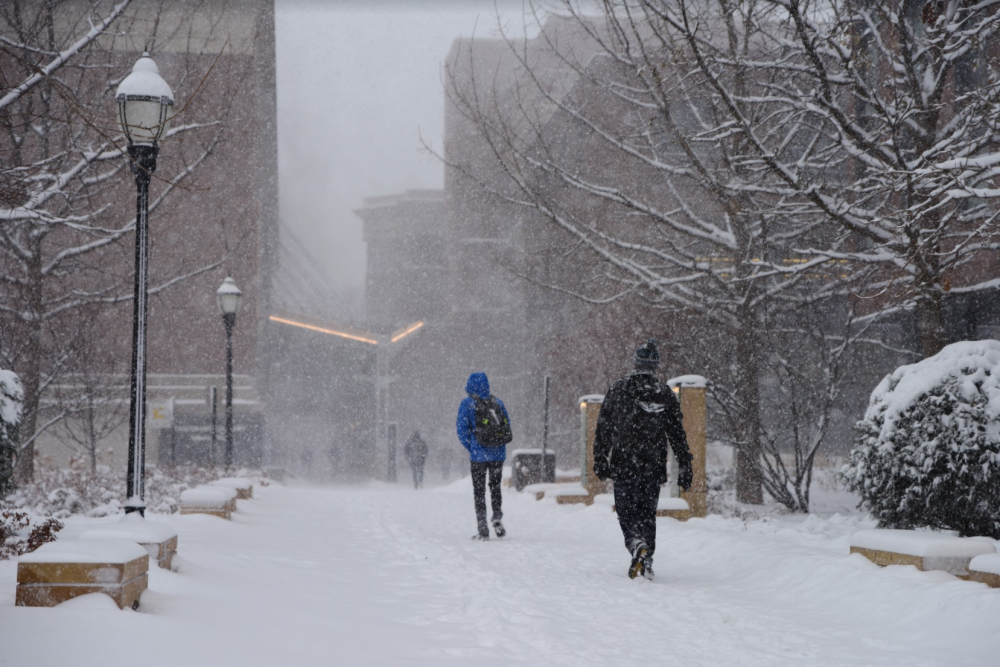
x=229, y=297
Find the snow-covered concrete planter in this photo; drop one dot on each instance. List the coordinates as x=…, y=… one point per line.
x=215, y=500
x=925, y=550
x=65, y=569
x=158, y=539
x=242, y=486
x=986, y=570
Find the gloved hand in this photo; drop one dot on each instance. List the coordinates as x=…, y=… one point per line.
x=685, y=475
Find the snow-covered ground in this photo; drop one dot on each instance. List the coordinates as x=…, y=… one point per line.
x=385, y=575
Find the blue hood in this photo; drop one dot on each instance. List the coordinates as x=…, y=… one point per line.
x=478, y=386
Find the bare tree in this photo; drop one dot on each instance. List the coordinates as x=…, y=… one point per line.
x=91, y=396
x=63, y=234
x=902, y=94
x=670, y=212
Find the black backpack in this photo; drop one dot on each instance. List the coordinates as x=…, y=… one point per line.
x=492, y=427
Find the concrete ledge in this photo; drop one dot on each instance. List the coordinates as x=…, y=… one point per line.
x=61, y=570
x=924, y=550
x=986, y=570
x=567, y=499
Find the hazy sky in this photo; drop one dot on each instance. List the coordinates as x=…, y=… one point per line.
x=358, y=83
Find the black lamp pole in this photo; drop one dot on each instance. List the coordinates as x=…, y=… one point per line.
x=144, y=100
x=229, y=320
x=143, y=159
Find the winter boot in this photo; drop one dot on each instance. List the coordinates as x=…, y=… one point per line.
x=483, y=534
x=647, y=567
x=638, y=566
x=498, y=528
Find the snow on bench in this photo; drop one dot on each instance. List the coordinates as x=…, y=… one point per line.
x=158, y=539
x=64, y=569
x=985, y=569
x=242, y=485
x=925, y=550
x=215, y=500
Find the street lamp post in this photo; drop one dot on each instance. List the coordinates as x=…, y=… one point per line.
x=144, y=100
x=229, y=297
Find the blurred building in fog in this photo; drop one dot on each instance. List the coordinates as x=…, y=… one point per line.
x=223, y=220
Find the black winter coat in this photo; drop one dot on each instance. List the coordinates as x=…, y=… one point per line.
x=638, y=419
x=415, y=450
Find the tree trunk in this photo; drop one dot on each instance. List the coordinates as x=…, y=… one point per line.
x=31, y=372
x=748, y=476
x=930, y=323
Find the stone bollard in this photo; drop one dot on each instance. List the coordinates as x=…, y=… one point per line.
x=692, y=390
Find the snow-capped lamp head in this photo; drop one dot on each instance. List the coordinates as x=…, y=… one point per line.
x=144, y=103
x=647, y=356
x=229, y=297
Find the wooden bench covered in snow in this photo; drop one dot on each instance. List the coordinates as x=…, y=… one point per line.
x=242, y=486
x=214, y=500
x=65, y=569
x=986, y=570
x=158, y=539
x=922, y=549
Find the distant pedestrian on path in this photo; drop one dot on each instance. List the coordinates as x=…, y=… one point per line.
x=416, y=454
x=638, y=418
x=484, y=430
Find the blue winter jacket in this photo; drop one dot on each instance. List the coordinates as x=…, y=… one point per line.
x=478, y=386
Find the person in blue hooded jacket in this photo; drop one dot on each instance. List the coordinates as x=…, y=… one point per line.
x=483, y=460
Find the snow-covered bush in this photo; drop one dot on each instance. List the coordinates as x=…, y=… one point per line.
x=63, y=492
x=11, y=399
x=21, y=534
x=927, y=452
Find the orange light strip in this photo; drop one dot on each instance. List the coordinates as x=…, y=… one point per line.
x=413, y=327
x=322, y=330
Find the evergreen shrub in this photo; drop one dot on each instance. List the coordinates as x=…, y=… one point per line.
x=927, y=453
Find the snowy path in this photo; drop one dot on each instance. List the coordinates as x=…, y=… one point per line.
x=383, y=575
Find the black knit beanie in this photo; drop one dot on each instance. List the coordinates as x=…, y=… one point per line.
x=647, y=357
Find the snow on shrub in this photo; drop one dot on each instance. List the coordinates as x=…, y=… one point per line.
x=20, y=534
x=63, y=492
x=927, y=452
x=11, y=398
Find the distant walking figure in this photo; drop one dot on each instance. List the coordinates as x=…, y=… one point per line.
x=416, y=453
x=638, y=418
x=484, y=430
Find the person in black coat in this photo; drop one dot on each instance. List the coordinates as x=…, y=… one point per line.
x=416, y=454
x=639, y=419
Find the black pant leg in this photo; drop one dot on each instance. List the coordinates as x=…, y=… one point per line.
x=625, y=506
x=496, y=474
x=479, y=491
x=420, y=475
x=648, y=498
